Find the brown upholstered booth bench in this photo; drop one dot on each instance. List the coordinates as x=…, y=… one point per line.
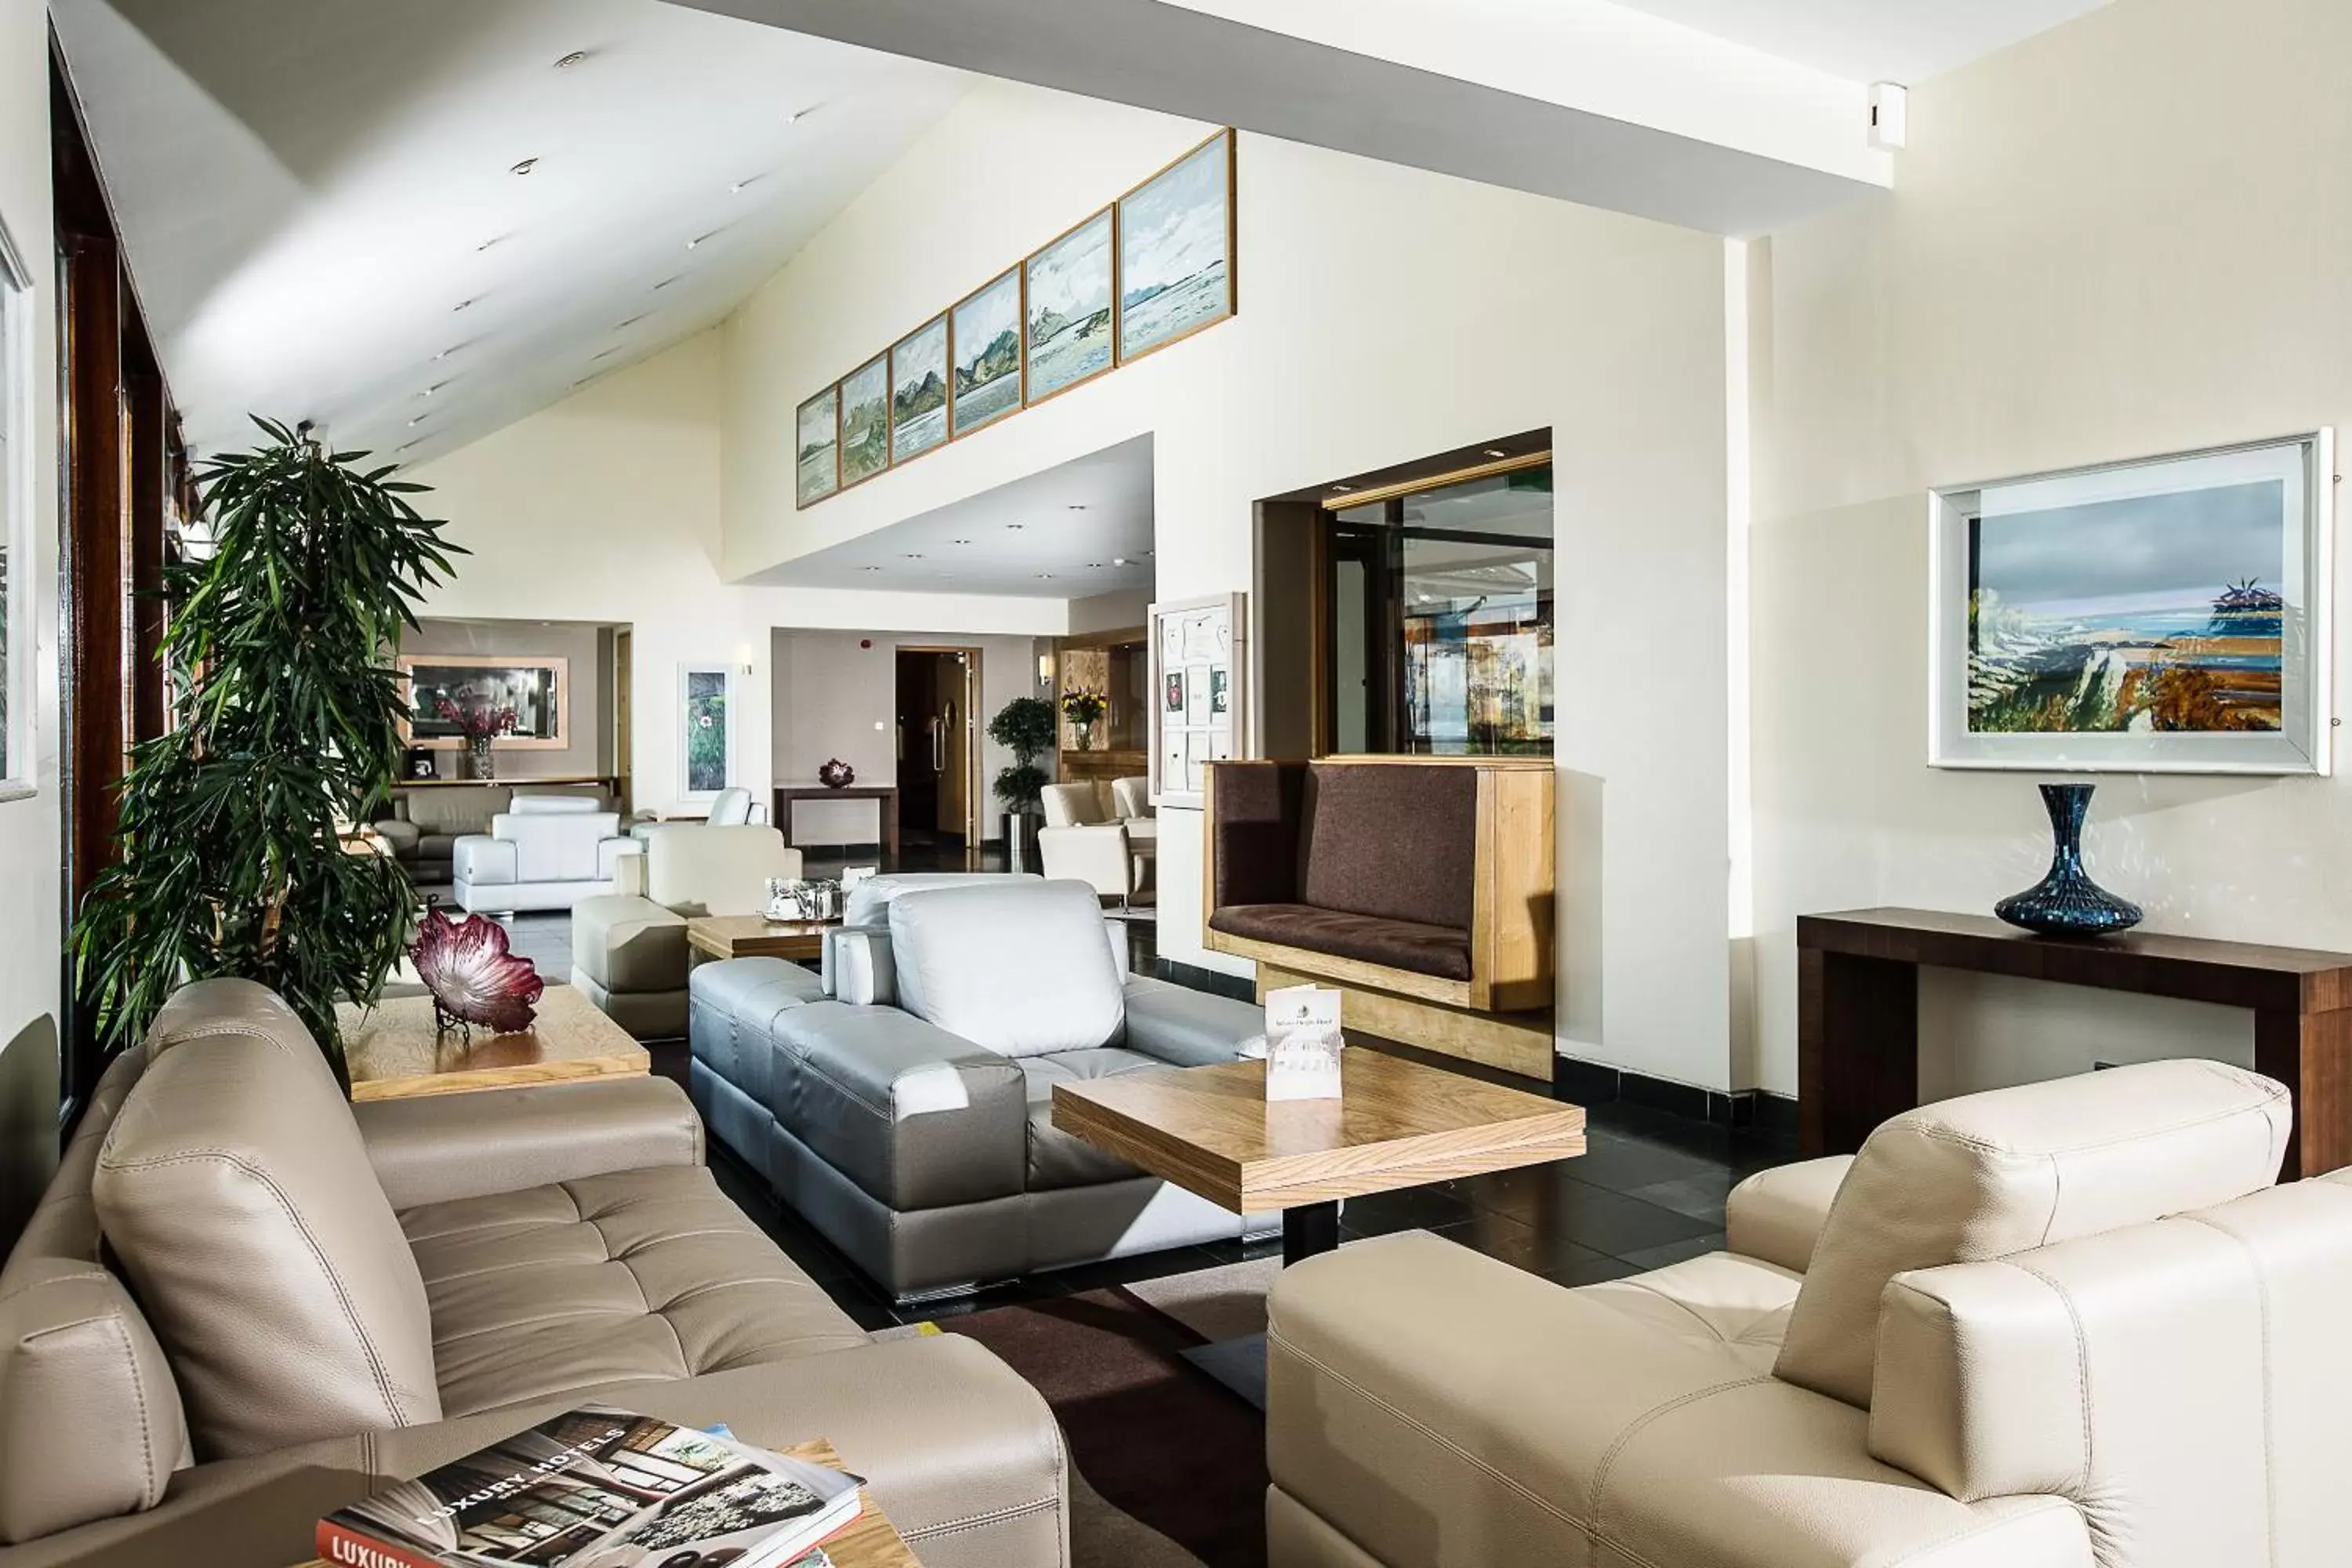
x=1423, y=886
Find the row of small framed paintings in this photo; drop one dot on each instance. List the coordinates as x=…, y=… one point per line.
x=1154, y=266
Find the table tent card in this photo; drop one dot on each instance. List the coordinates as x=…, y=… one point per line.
x=1302, y=1043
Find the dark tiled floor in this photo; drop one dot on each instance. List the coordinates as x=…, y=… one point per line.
x=1649, y=1191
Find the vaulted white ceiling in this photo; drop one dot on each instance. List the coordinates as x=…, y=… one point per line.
x=1872, y=40
x=322, y=221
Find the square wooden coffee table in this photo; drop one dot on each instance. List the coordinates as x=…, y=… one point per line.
x=1397, y=1124
x=755, y=936
x=393, y=1052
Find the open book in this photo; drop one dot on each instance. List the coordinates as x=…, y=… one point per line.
x=597, y=1488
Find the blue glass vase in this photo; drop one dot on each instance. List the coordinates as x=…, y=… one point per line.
x=2066, y=902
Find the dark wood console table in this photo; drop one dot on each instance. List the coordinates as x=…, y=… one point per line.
x=1858, y=1013
x=885, y=794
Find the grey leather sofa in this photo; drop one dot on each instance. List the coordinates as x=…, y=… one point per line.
x=910, y=1116
x=244, y=1302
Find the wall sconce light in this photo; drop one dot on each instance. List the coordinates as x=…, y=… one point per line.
x=1044, y=670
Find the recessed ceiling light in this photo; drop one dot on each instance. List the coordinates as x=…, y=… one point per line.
x=1078, y=506
x=415, y=422
x=575, y=57
x=600, y=353
x=1147, y=553
x=666, y=281
x=699, y=238
x=1496, y=452
x=1118, y=560
x=869, y=569
x=1093, y=565
x=910, y=555
x=1015, y=527
x=494, y=239
x=736, y=188
x=463, y=305
x=416, y=443
x=797, y=115
x=633, y=320
x=435, y=387
x=524, y=167
x=959, y=542
x=1342, y=489
x=445, y=354
x=1044, y=576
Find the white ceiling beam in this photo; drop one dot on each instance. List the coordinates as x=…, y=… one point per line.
x=1581, y=99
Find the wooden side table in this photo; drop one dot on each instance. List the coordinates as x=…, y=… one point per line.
x=754, y=936
x=392, y=1051
x=1858, y=1013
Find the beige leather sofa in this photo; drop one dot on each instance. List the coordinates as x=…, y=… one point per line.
x=243, y=1303
x=2066, y=1326
x=1101, y=832
x=426, y=821
x=628, y=946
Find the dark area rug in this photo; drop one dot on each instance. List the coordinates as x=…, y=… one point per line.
x=1157, y=1439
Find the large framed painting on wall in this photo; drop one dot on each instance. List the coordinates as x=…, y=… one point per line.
x=1176, y=249
x=816, y=448
x=987, y=336
x=2164, y=616
x=865, y=421
x=919, y=390
x=705, y=745
x=538, y=687
x=1068, y=287
x=1199, y=674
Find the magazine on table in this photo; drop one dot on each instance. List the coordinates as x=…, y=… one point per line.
x=598, y=1488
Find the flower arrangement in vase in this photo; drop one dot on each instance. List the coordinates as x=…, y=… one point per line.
x=480, y=724
x=1084, y=709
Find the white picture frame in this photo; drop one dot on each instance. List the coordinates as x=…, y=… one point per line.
x=1194, y=642
x=694, y=693
x=2060, y=641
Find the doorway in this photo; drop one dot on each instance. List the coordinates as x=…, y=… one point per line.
x=937, y=699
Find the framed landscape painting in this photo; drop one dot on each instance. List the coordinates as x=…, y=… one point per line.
x=1069, y=287
x=816, y=468
x=987, y=380
x=919, y=390
x=2167, y=616
x=1176, y=249
x=865, y=421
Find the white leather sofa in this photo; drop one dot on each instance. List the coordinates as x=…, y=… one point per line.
x=910, y=1118
x=2071, y=1325
x=544, y=852
x=1102, y=834
x=629, y=951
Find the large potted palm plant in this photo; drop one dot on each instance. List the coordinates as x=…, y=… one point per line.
x=240, y=854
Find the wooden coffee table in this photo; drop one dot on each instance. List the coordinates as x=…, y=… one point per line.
x=1396, y=1124
x=755, y=936
x=394, y=1054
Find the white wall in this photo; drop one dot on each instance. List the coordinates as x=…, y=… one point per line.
x=836, y=695
x=606, y=508
x=1385, y=313
x=2124, y=237
x=29, y=841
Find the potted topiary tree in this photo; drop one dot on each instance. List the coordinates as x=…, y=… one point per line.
x=240, y=852
x=1024, y=727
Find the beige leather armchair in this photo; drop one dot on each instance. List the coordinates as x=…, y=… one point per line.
x=628, y=948
x=2071, y=1325
x=1101, y=836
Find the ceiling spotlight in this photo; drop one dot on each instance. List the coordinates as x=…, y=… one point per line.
x=463, y=305
x=1044, y=576
x=1015, y=527
x=797, y=115
x=600, y=353
x=666, y=281
x=699, y=238
x=415, y=422
x=959, y=542
x=736, y=188
x=1342, y=489
x=435, y=387
x=525, y=167
x=910, y=555
x=575, y=57
x=494, y=239
x=869, y=569
x=1118, y=560
x=633, y=320
x=445, y=354
x=1078, y=506
x=1496, y=452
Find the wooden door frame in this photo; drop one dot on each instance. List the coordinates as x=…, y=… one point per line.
x=974, y=787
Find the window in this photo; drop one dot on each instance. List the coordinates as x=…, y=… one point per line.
x=1441, y=618
x=15, y=514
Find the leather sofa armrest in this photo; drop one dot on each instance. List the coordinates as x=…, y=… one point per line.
x=483, y=860
x=1097, y=854
x=917, y=1117
x=629, y=873
x=402, y=836
x=442, y=1147
x=856, y=966
x=1778, y=1215
x=1185, y=1027
x=615, y=852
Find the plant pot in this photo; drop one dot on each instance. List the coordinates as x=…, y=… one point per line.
x=1021, y=852
x=478, y=760
x=2066, y=902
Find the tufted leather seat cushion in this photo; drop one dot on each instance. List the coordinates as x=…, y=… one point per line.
x=641, y=1274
